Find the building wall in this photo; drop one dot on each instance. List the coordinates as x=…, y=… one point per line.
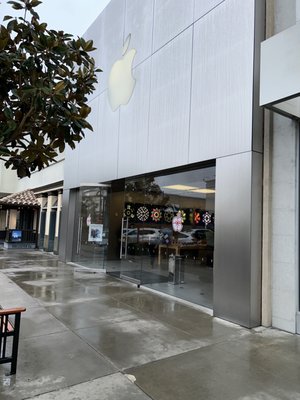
x=193, y=99
x=8, y=180
x=47, y=176
x=10, y=183
x=284, y=200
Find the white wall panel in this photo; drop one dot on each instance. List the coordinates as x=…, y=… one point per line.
x=47, y=176
x=202, y=7
x=134, y=118
x=89, y=146
x=170, y=104
x=139, y=23
x=107, y=32
x=170, y=18
x=8, y=179
x=221, y=113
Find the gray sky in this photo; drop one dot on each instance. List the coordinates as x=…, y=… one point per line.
x=72, y=16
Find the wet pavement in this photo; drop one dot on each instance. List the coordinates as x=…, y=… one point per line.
x=89, y=336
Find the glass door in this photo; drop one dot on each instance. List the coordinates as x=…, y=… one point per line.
x=132, y=245
x=92, y=227
x=181, y=216
x=162, y=232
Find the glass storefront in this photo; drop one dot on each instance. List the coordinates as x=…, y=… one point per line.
x=154, y=230
x=163, y=233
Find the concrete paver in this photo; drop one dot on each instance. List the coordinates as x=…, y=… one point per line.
x=243, y=369
x=115, y=386
x=84, y=332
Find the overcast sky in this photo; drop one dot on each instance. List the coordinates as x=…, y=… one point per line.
x=71, y=16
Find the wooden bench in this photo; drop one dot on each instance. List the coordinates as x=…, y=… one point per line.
x=10, y=328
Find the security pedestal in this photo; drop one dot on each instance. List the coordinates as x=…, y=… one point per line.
x=176, y=269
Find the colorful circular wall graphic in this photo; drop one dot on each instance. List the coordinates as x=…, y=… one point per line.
x=206, y=218
x=142, y=213
x=197, y=217
x=168, y=216
x=156, y=214
x=183, y=215
x=177, y=223
x=129, y=211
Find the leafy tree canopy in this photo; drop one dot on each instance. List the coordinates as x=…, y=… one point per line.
x=45, y=78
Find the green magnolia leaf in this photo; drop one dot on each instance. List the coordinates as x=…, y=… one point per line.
x=3, y=43
x=59, y=86
x=15, y=5
x=4, y=151
x=45, y=80
x=84, y=111
x=35, y=3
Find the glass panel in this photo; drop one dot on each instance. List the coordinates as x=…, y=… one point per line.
x=132, y=235
x=92, y=239
x=181, y=215
x=154, y=220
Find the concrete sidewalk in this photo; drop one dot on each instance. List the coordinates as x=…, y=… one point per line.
x=89, y=336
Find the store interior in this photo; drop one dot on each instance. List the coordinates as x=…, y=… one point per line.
x=154, y=230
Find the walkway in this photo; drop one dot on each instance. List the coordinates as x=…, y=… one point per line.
x=89, y=336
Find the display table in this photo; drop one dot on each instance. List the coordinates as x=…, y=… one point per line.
x=178, y=248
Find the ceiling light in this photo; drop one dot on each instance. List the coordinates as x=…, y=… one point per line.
x=180, y=187
x=206, y=191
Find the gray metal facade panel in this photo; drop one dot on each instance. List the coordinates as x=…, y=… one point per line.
x=170, y=18
x=105, y=157
x=71, y=167
x=258, y=112
x=232, y=257
x=213, y=121
x=202, y=7
x=90, y=147
x=108, y=34
x=170, y=104
x=133, y=136
x=96, y=158
x=139, y=23
x=67, y=225
x=222, y=82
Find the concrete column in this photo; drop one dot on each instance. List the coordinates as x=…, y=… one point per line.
x=57, y=223
x=12, y=221
x=42, y=200
x=285, y=202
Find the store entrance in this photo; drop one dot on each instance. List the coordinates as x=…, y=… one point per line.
x=162, y=233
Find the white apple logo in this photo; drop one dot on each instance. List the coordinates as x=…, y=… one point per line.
x=121, y=82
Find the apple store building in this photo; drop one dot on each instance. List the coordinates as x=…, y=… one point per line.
x=167, y=191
